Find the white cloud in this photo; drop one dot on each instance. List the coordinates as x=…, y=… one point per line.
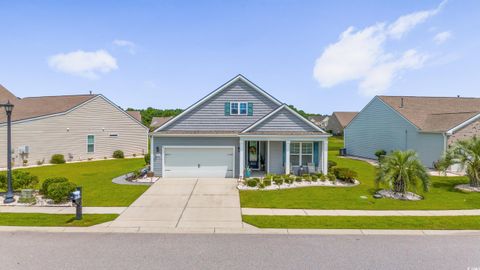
x=361, y=55
x=84, y=64
x=442, y=37
x=127, y=44
x=407, y=22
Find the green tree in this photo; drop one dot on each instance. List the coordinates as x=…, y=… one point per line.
x=466, y=153
x=148, y=113
x=302, y=112
x=401, y=171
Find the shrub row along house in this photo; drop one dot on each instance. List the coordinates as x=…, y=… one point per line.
x=80, y=127
x=428, y=125
x=236, y=129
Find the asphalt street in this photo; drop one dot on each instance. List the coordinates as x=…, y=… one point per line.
x=24, y=250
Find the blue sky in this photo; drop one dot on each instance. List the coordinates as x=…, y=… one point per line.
x=321, y=56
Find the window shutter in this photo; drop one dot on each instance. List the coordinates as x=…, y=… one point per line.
x=250, y=108
x=315, y=153
x=284, y=153
x=227, y=108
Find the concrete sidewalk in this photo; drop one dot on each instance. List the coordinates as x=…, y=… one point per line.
x=60, y=210
x=313, y=212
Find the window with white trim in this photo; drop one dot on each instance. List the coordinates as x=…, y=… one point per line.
x=90, y=143
x=238, y=108
x=301, y=153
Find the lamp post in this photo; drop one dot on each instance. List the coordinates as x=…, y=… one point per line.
x=8, y=109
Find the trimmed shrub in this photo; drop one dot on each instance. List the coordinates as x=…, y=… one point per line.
x=331, y=164
x=270, y=176
x=345, y=174
x=60, y=191
x=57, y=159
x=322, y=177
x=147, y=159
x=380, y=154
x=314, y=178
x=20, y=180
x=298, y=179
x=251, y=183
x=49, y=181
x=118, y=154
x=267, y=182
x=277, y=181
x=261, y=185
x=331, y=177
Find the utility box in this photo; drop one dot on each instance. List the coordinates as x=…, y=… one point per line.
x=24, y=149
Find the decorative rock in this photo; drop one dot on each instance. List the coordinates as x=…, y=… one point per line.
x=377, y=196
x=409, y=196
x=467, y=188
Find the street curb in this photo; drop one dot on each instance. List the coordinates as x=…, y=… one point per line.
x=108, y=230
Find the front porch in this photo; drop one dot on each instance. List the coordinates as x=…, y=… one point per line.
x=260, y=155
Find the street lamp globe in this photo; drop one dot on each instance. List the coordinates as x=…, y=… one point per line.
x=8, y=107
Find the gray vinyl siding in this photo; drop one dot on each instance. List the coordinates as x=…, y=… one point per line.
x=211, y=116
x=276, y=157
x=378, y=126
x=283, y=120
x=67, y=134
x=159, y=142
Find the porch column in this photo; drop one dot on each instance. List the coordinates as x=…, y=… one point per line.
x=287, y=157
x=325, y=156
x=241, y=156
x=268, y=156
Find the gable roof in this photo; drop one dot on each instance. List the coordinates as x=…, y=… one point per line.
x=434, y=114
x=31, y=107
x=344, y=118
x=158, y=121
x=276, y=111
x=44, y=106
x=136, y=115
x=239, y=77
x=6, y=95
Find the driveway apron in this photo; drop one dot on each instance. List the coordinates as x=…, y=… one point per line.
x=185, y=203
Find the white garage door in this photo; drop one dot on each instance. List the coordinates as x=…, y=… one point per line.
x=198, y=162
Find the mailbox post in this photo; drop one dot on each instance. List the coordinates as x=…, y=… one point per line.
x=76, y=198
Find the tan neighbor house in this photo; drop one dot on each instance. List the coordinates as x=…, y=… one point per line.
x=80, y=127
x=338, y=121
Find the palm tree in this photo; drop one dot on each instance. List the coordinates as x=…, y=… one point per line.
x=466, y=153
x=402, y=170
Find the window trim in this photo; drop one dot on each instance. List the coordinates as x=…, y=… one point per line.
x=300, y=153
x=88, y=135
x=238, y=107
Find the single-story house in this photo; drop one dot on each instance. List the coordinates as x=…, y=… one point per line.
x=320, y=120
x=338, y=121
x=428, y=125
x=80, y=127
x=136, y=115
x=157, y=121
x=237, y=129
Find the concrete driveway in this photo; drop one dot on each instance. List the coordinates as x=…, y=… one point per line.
x=185, y=203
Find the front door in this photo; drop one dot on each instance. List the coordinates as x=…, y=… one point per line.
x=253, y=155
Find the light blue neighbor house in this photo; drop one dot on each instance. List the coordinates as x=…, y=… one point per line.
x=428, y=125
x=236, y=130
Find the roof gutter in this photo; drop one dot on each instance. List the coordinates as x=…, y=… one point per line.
x=464, y=124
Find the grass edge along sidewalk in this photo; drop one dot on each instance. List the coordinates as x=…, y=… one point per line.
x=53, y=220
x=366, y=222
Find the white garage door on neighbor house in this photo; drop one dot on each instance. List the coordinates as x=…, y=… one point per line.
x=198, y=161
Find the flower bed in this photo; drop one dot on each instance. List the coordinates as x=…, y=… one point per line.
x=276, y=182
x=37, y=200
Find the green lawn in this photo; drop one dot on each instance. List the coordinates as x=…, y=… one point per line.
x=95, y=177
x=441, y=196
x=53, y=220
x=366, y=222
